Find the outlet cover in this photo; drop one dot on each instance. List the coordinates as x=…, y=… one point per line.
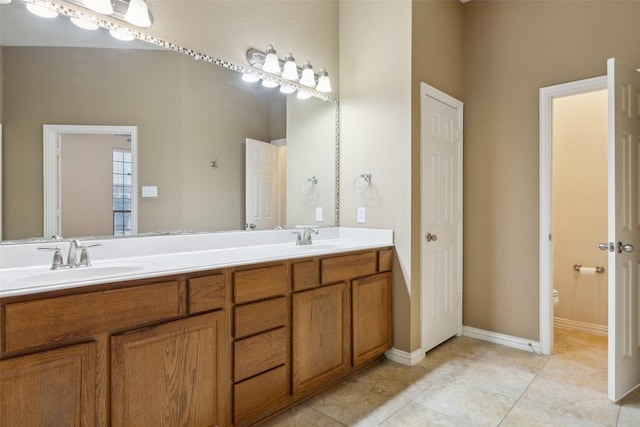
x=361, y=216
x=319, y=213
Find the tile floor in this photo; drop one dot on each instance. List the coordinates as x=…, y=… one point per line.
x=468, y=382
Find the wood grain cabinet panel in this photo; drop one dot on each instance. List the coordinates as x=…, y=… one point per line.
x=259, y=353
x=347, y=267
x=171, y=374
x=261, y=316
x=71, y=318
x=305, y=275
x=51, y=388
x=206, y=293
x=320, y=337
x=385, y=260
x=258, y=396
x=372, y=328
x=259, y=283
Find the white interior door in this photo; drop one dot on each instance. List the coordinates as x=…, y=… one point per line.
x=260, y=185
x=624, y=229
x=441, y=222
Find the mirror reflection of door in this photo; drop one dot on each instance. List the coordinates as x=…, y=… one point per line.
x=263, y=185
x=95, y=184
x=90, y=180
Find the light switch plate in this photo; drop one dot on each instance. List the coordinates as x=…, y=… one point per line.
x=361, y=216
x=319, y=213
x=149, y=191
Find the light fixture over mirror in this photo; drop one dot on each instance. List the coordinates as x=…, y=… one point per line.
x=288, y=71
x=135, y=12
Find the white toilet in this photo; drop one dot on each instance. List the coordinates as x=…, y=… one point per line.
x=556, y=298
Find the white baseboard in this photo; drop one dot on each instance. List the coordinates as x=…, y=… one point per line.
x=581, y=326
x=404, y=357
x=502, y=339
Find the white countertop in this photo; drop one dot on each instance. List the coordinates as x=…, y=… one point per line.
x=26, y=270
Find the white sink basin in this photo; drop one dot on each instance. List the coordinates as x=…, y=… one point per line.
x=39, y=276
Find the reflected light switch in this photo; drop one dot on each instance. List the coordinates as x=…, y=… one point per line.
x=150, y=191
x=319, y=213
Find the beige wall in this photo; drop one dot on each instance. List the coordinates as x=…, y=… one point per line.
x=511, y=50
x=437, y=50
x=580, y=205
x=86, y=183
x=375, y=127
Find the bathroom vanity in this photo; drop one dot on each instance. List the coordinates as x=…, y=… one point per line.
x=228, y=341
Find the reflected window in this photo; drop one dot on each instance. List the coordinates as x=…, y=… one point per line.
x=121, y=193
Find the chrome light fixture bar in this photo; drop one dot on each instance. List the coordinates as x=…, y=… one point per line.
x=135, y=12
x=303, y=80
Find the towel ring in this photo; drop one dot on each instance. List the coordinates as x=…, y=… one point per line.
x=309, y=185
x=365, y=178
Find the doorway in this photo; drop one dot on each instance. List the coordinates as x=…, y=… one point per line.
x=547, y=239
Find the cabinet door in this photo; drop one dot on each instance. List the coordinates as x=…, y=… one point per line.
x=171, y=374
x=320, y=335
x=51, y=388
x=371, y=299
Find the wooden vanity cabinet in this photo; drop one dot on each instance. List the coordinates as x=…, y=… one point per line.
x=147, y=352
x=261, y=347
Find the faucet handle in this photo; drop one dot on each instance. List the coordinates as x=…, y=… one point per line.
x=57, y=257
x=84, y=254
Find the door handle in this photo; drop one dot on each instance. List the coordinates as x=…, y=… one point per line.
x=431, y=237
x=603, y=246
x=625, y=247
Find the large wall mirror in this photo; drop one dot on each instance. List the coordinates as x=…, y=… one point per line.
x=191, y=121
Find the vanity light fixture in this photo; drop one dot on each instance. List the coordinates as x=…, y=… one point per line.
x=250, y=77
x=122, y=34
x=5, y=1
x=101, y=6
x=138, y=14
x=290, y=70
x=84, y=23
x=41, y=11
x=287, y=89
x=308, y=78
x=269, y=83
x=271, y=62
x=303, y=95
x=324, y=84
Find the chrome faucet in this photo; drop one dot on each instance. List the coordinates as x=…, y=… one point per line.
x=72, y=258
x=304, y=238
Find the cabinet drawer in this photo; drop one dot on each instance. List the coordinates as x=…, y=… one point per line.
x=258, y=396
x=206, y=293
x=385, y=260
x=259, y=283
x=259, y=316
x=259, y=353
x=347, y=267
x=305, y=275
x=68, y=318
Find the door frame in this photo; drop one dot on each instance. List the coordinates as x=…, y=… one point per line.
x=547, y=95
x=427, y=90
x=51, y=171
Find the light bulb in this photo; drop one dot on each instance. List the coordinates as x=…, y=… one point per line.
x=84, y=23
x=290, y=71
x=138, y=14
x=269, y=84
x=41, y=11
x=250, y=77
x=122, y=34
x=307, y=78
x=303, y=95
x=5, y=1
x=101, y=6
x=287, y=89
x=271, y=61
x=324, y=83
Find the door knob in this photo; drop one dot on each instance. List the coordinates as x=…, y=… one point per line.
x=431, y=237
x=626, y=247
x=603, y=246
